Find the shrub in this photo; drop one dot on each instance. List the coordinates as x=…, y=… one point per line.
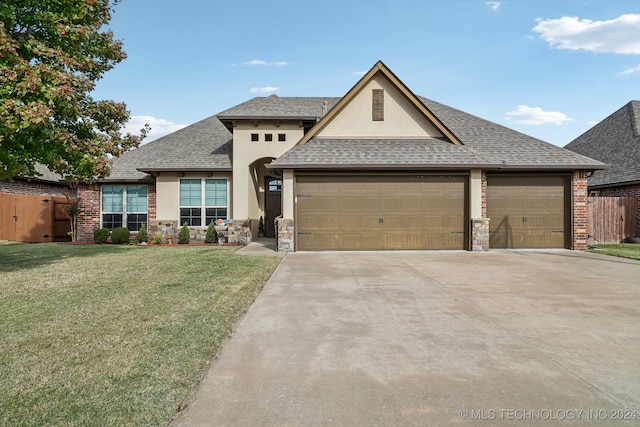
x=183, y=235
x=142, y=236
x=101, y=235
x=120, y=235
x=157, y=238
x=261, y=227
x=212, y=234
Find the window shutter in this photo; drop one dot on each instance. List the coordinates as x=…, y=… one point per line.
x=377, y=107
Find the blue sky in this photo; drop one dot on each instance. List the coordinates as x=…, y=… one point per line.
x=548, y=68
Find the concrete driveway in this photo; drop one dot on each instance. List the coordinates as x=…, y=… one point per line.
x=433, y=338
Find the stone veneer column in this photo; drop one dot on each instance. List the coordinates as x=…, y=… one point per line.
x=285, y=235
x=480, y=234
x=579, y=204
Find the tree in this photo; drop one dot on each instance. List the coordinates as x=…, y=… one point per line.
x=52, y=52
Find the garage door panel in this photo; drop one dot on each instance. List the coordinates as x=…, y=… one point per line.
x=527, y=211
x=381, y=212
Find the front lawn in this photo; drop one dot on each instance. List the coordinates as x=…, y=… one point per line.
x=115, y=335
x=624, y=250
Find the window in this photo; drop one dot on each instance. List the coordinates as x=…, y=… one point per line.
x=377, y=107
x=124, y=206
x=275, y=185
x=202, y=201
x=268, y=137
x=254, y=137
x=282, y=137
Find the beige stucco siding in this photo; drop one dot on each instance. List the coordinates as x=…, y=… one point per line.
x=288, y=200
x=475, y=194
x=401, y=118
x=249, y=158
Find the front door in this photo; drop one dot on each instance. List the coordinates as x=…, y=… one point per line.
x=273, y=204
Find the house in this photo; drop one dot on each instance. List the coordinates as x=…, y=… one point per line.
x=616, y=141
x=379, y=168
x=32, y=210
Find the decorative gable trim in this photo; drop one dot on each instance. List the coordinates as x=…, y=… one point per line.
x=379, y=67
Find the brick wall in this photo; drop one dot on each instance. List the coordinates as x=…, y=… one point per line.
x=89, y=219
x=35, y=188
x=623, y=191
x=580, y=208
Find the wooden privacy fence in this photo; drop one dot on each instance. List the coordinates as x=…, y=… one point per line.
x=34, y=219
x=612, y=219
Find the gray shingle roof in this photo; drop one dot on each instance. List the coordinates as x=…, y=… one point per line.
x=275, y=107
x=616, y=141
x=207, y=145
x=484, y=143
x=46, y=175
x=377, y=153
x=501, y=143
x=203, y=146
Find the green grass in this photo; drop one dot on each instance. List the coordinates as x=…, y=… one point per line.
x=624, y=250
x=114, y=335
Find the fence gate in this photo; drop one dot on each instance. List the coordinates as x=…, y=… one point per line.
x=34, y=219
x=612, y=219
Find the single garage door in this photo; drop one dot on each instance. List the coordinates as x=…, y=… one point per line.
x=368, y=212
x=528, y=211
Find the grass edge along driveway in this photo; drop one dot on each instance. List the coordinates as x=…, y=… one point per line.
x=623, y=250
x=115, y=335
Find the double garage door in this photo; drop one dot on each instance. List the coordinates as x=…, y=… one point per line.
x=381, y=212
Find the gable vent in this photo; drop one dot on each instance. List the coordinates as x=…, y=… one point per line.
x=377, y=106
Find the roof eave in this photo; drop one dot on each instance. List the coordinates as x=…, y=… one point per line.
x=146, y=179
x=393, y=166
x=177, y=169
x=614, y=184
x=252, y=118
x=562, y=167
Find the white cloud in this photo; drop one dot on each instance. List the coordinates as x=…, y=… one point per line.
x=159, y=127
x=265, y=89
x=359, y=73
x=526, y=115
x=495, y=5
x=268, y=63
x=619, y=35
x=633, y=70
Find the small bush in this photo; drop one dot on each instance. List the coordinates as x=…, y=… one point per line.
x=101, y=235
x=120, y=235
x=183, y=235
x=142, y=236
x=212, y=234
x=157, y=238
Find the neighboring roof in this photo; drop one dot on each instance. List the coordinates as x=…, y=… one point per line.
x=203, y=146
x=616, y=141
x=47, y=176
x=484, y=144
